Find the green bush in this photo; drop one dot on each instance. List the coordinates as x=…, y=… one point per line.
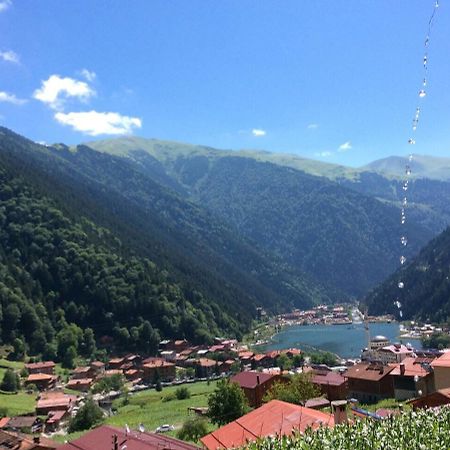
x=193, y=429
x=182, y=393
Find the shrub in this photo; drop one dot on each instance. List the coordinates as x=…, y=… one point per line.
x=193, y=429
x=182, y=393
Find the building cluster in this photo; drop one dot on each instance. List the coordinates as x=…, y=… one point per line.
x=386, y=371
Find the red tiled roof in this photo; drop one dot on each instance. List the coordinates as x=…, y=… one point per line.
x=40, y=365
x=81, y=369
x=273, y=418
x=4, y=421
x=158, y=363
x=327, y=377
x=249, y=379
x=55, y=416
x=98, y=364
x=102, y=437
x=412, y=368
x=245, y=355
x=371, y=372
x=206, y=362
x=442, y=361
x=39, y=377
x=79, y=382
x=10, y=440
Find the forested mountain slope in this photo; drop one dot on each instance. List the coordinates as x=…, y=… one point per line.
x=90, y=239
x=346, y=240
x=426, y=292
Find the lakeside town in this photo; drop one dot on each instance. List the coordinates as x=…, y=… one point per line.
x=385, y=372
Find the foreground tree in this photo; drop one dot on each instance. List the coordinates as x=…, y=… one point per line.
x=10, y=382
x=297, y=390
x=88, y=415
x=226, y=403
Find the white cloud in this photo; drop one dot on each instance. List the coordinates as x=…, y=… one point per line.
x=56, y=90
x=345, y=146
x=10, y=56
x=312, y=126
x=323, y=154
x=89, y=75
x=95, y=123
x=11, y=98
x=4, y=5
x=258, y=132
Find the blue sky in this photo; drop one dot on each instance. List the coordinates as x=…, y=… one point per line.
x=335, y=80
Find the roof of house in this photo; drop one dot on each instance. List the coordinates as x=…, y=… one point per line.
x=442, y=361
x=55, y=416
x=245, y=355
x=4, y=421
x=55, y=400
x=397, y=348
x=319, y=402
x=101, y=438
x=98, y=364
x=83, y=369
x=158, y=363
x=250, y=380
x=369, y=372
x=33, y=377
x=273, y=418
x=437, y=398
x=206, y=362
x=21, y=422
x=80, y=381
x=412, y=366
x=40, y=365
x=11, y=440
x=327, y=377
x=116, y=360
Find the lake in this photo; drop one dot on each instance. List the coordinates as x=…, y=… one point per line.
x=346, y=341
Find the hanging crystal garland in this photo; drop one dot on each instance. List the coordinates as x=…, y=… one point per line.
x=412, y=141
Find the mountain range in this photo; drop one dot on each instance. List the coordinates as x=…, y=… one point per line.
x=134, y=238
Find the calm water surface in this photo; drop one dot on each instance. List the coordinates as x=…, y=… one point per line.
x=346, y=341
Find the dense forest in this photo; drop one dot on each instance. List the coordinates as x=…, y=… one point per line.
x=65, y=282
x=426, y=292
x=90, y=244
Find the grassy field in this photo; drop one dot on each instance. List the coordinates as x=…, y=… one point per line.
x=15, y=404
x=5, y=364
x=148, y=408
x=20, y=403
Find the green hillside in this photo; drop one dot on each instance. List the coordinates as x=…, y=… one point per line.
x=345, y=239
x=89, y=239
x=426, y=294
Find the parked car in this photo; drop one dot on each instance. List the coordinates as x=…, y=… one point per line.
x=165, y=428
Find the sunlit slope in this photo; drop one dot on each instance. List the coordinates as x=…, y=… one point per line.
x=343, y=238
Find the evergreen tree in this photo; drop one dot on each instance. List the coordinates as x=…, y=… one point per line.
x=10, y=381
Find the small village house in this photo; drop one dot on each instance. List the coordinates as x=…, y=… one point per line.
x=441, y=367
x=153, y=366
x=47, y=367
x=255, y=385
x=331, y=384
x=370, y=383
